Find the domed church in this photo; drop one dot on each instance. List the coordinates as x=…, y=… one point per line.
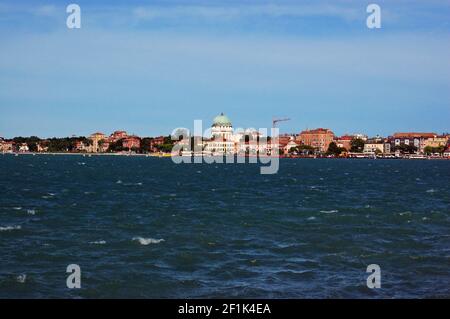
x=221, y=137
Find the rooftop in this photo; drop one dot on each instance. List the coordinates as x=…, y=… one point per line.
x=414, y=134
x=221, y=120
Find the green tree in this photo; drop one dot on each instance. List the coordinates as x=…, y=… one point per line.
x=432, y=150
x=305, y=149
x=116, y=146
x=333, y=149
x=167, y=146
x=146, y=144
x=357, y=145
x=32, y=146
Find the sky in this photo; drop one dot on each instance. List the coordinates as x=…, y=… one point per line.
x=149, y=67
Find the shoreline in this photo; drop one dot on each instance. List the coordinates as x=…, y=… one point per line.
x=85, y=154
x=168, y=155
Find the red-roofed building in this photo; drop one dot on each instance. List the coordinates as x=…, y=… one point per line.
x=80, y=146
x=156, y=141
x=283, y=140
x=416, y=139
x=345, y=141
x=131, y=142
x=118, y=135
x=414, y=135
x=319, y=138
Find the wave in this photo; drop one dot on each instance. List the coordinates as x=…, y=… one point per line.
x=31, y=212
x=9, y=228
x=17, y=208
x=431, y=190
x=329, y=211
x=147, y=241
x=21, y=278
x=98, y=242
x=311, y=218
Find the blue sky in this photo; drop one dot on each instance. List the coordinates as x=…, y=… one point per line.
x=151, y=66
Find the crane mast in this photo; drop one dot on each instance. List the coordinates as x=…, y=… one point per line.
x=277, y=120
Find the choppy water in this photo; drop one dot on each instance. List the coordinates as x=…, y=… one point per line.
x=145, y=227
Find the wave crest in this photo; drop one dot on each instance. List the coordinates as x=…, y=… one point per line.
x=9, y=228
x=147, y=241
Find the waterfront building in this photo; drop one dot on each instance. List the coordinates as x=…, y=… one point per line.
x=6, y=146
x=447, y=152
x=222, y=140
x=23, y=148
x=248, y=141
x=103, y=145
x=159, y=140
x=436, y=141
x=96, y=138
x=319, y=138
x=42, y=147
x=117, y=135
x=416, y=139
x=290, y=145
x=80, y=146
x=373, y=148
x=283, y=140
x=131, y=142
x=344, y=141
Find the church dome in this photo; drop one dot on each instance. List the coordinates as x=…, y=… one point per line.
x=221, y=120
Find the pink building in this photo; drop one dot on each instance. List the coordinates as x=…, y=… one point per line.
x=118, y=135
x=131, y=142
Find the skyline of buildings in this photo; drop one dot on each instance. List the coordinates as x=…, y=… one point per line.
x=224, y=139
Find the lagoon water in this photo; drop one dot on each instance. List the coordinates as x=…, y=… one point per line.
x=147, y=228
